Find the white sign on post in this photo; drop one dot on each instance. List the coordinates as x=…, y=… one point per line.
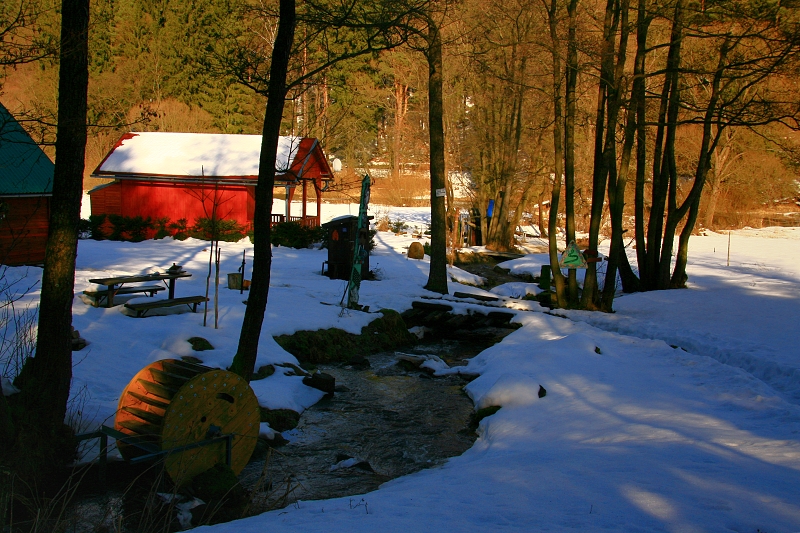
x=441, y=192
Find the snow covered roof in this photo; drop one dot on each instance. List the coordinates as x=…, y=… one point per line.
x=211, y=155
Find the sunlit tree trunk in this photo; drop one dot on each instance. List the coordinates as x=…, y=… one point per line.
x=608, y=103
x=437, y=276
x=722, y=161
x=691, y=204
x=664, y=165
x=245, y=359
x=558, y=159
x=400, y=111
x=569, y=142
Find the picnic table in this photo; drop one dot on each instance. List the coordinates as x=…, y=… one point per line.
x=117, y=284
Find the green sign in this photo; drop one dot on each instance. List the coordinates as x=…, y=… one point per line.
x=572, y=257
x=350, y=298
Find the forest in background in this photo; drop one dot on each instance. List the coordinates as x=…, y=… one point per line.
x=199, y=66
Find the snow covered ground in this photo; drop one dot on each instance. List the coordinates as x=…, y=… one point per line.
x=679, y=412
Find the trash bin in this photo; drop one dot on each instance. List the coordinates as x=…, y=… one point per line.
x=342, y=236
x=235, y=281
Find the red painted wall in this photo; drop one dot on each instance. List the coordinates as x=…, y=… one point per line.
x=107, y=200
x=175, y=201
x=23, y=230
x=179, y=200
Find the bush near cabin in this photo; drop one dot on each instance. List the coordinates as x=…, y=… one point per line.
x=137, y=229
x=295, y=235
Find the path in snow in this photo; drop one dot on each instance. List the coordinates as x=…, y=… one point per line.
x=741, y=315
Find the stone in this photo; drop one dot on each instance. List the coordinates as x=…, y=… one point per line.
x=345, y=461
x=410, y=362
x=280, y=419
x=294, y=370
x=216, y=483
x=359, y=361
x=416, y=251
x=78, y=344
x=321, y=381
x=200, y=344
x=224, y=498
x=263, y=372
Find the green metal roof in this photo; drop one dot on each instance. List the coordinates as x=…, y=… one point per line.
x=24, y=168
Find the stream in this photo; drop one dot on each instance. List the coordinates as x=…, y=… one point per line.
x=383, y=422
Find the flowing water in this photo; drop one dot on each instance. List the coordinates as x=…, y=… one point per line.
x=383, y=422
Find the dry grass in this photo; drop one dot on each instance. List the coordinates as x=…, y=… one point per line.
x=411, y=189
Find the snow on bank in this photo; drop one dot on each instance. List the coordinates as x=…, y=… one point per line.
x=633, y=434
x=744, y=315
x=638, y=437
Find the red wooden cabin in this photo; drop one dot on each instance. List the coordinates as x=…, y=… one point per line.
x=26, y=185
x=186, y=175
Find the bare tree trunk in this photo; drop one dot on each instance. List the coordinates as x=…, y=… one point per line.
x=208, y=281
x=558, y=153
x=216, y=289
x=617, y=181
x=714, y=189
x=525, y=199
x=608, y=103
x=721, y=163
x=692, y=201
x=569, y=143
x=616, y=204
x=453, y=235
x=679, y=277
x=437, y=276
x=542, y=227
x=642, y=29
x=245, y=359
x=400, y=112
x=45, y=379
x=325, y=104
x=7, y=432
x=664, y=166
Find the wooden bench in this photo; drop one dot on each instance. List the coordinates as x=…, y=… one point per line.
x=99, y=294
x=142, y=308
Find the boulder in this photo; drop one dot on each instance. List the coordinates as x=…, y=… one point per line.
x=416, y=251
x=321, y=381
x=280, y=419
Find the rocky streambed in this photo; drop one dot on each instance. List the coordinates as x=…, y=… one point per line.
x=384, y=421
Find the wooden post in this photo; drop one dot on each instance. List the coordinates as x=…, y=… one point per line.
x=305, y=200
x=318, y=191
x=729, y=248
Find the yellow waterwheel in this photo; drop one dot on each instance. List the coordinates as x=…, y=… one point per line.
x=171, y=404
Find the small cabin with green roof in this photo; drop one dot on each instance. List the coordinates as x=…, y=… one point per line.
x=26, y=186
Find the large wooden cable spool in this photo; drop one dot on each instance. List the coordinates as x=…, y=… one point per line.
x=172, y=403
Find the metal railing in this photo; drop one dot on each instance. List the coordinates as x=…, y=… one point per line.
x=153, y=452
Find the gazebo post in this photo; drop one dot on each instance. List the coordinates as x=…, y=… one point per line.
x=318, y=191
x=305, y=200
x=288, y=203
